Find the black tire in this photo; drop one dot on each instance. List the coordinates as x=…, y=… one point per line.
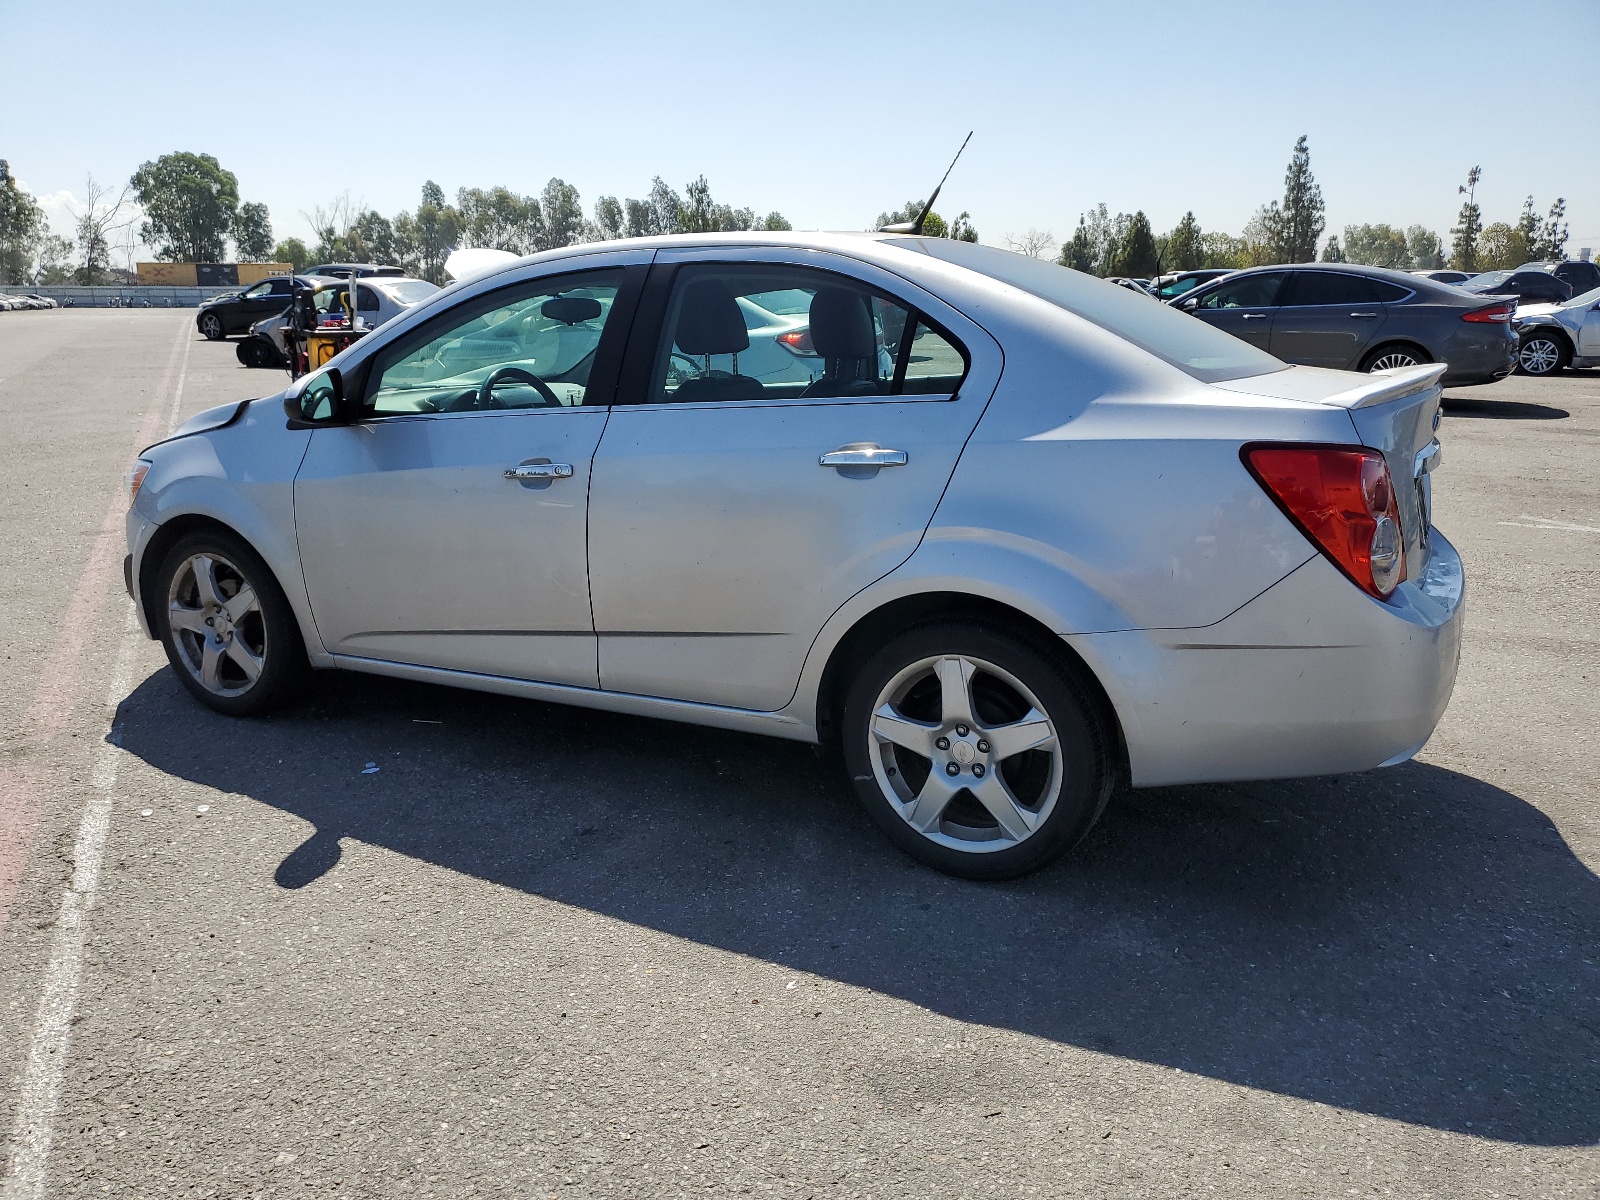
x=1384, y=356
x=1064, y=787
x=210, y=326
x=256, y=351
x=1541, y=353
x=269, y=627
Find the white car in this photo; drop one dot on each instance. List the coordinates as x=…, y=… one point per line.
x=1024, y=534
x=1552, y=337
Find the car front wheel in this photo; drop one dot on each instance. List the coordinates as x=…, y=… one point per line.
x=227, y=628
x=975, y=751
x=211, y=327
x=1540, y=354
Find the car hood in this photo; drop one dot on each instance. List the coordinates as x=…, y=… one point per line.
x=1537, y=310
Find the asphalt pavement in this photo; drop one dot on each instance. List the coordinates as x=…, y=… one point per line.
x=407, y=941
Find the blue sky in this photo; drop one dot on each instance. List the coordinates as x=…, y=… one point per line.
x=828, y=112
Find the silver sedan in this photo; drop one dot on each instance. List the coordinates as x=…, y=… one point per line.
x=1015, y=536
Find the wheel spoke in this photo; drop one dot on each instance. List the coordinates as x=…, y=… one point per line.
x=994, y=795
x=191, y=619
x=912, y=735
x=242, y=603
x=1031, y=732
x=955, y=690
x=205, y=580
x=246, y=661
x=210, y=664
x=924, y=812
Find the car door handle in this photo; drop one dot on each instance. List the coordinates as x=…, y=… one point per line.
x=1363, y=316
x=545, y=470
x=863, y=454
x=1254, y=317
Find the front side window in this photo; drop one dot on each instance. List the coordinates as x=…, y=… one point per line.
x=530, y=346
x=1248, y=291
x=758, y=332
x=259, y=292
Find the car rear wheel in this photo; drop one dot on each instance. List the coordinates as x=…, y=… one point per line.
x=1541, y=354
x=974, y=751
x=1398, y=354
x=211, y=327
x=227, y=628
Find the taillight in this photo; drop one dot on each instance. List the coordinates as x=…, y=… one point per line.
x=1494, y=313
x=798, y=341
x=1342, y=498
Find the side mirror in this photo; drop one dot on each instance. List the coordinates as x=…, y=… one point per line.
x=1189, y=304
x=320, y=402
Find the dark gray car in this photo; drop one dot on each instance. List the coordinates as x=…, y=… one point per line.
x=1361, y=319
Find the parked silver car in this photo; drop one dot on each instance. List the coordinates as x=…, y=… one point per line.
x=1552, y=337
x=1024, y=534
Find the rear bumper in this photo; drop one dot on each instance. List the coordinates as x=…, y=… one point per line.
x=1313, y=677
x=1474, y=356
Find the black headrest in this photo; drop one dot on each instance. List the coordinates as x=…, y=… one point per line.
x=569, y=310
x=709, y=320
x=841, y=324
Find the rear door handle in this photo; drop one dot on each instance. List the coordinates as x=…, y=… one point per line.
x=1254, y=317
x=864, y=454
x=1363, y=316
x=546, y=470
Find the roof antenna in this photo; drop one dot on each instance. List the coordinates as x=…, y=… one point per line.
x=916, y=226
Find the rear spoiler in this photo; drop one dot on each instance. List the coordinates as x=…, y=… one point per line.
x=1393, y=384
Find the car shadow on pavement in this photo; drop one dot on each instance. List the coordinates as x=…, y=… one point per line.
x=1500, y=410
x=1412, y=943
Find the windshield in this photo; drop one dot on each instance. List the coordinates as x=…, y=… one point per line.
x=1188, y=343
x=407, y=291
x=1487, y=279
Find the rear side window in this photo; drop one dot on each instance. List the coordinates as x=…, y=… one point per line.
x=1388, y=293
x=749, y=331
x=1192, y=346
x=1328, y=287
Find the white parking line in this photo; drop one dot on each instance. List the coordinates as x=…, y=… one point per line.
x=39, y=1098
x=1531, y=522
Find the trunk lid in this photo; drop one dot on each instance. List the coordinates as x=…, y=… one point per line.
x=1395, y=412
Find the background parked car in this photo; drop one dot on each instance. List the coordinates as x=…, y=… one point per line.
x=1535, y=286
x=1168, y=287
x=1552, y=337
x=1580, y=276
x=1445, y=275
x=1361, y=319
x=378, y=300
x=345, y=270
x=234, y=312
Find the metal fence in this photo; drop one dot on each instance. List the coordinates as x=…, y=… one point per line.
x=123, y=297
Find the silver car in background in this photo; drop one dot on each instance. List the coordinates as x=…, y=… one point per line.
x=1019, y=534
x=1553, y=337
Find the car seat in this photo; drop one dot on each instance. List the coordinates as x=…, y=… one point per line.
x=710, y=322
x=844, y=336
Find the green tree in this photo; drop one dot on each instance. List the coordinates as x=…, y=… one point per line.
x=22, y=224
x=292, y=251
x=960, y=229
x=1225, y=250
x=1093, y=244
x=1553, y=243
x=1423, y=246
x=1376, y=246
x=190, y=204
x=563, y=215
x=499, y=219
x=1183, y=250
x=1501, y=246
x=252, y=233
x=1135, y=255
x=97, y=224
x=425, y=238
x=1332, y=251
x=609, y=220
x=776, y=221
x=1297, y=226
x=1469, y=224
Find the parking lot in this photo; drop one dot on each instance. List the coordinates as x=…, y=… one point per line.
x=407, y=941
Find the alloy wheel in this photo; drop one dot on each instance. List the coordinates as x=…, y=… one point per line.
x=965, y=754
x=1539, y=356
x=217, y=624
x=1394, y=358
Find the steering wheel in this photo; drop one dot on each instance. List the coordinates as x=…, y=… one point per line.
x=486, y=391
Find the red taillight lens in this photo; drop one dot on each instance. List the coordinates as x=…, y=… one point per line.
x=1494, y=313
x=798, y=341
x=1342, y=498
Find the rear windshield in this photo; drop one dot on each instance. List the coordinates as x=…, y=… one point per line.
x=1186, y=342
